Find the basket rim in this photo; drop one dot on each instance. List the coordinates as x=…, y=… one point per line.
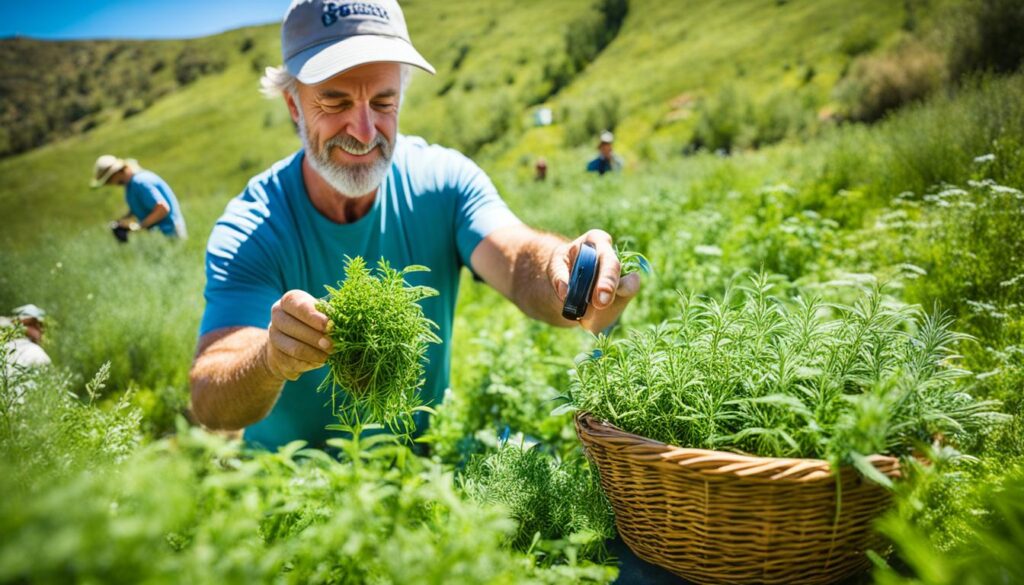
x=716, y=463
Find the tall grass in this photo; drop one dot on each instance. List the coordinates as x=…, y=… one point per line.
x=136, y=306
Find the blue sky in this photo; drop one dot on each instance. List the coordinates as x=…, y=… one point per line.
x=136, y=19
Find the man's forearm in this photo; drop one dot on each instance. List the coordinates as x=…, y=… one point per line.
x=156, y=216
x=231, y=385
x=532, y=291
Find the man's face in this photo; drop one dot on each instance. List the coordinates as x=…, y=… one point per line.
x=120, y=178
x=605, y=148
x=33, y=329
x=348, y=125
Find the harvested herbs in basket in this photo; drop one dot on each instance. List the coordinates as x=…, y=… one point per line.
x=380, y=337
x=752, y=374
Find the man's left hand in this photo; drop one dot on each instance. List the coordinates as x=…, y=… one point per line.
x=611, y=294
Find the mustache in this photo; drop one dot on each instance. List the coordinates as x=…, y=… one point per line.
x=354, y=146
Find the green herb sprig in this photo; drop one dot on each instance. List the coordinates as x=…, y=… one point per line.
x=380, y=337
x=632, y=261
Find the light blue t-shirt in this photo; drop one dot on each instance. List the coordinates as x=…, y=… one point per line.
x=144, y=191
x=433, y=208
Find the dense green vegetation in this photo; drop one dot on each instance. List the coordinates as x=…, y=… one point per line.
x=925, y=200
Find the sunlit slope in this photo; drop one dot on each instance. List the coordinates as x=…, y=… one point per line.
x=209, y=137
x=497, y=62
x=670, y=55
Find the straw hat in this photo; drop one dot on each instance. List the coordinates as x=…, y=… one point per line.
x=106, y=166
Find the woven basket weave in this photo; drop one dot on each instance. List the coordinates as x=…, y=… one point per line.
x=717, y=517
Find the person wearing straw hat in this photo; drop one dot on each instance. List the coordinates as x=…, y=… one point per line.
x=606, y=161
x=358, y=188
x=151, y=203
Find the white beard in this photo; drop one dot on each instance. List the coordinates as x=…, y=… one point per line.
x=354, y=180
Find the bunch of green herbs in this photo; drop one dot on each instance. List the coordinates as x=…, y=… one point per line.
x=380, y=337
x=753, y=374
x=559, y=506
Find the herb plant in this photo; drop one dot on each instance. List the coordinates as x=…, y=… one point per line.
x=558, y=505
x=380, y=340
x=752, y=374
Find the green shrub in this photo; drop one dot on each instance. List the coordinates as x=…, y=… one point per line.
x=988, y=507
x=878, y=84
x=858, y=39
x=986, y=37
x=509, y=377
x=923, y=146
x=584, y=122
x=551, y=501
x=724, y=121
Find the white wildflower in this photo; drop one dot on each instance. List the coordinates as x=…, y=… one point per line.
x=707, y=250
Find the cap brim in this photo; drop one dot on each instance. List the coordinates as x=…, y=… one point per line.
x=322, y=62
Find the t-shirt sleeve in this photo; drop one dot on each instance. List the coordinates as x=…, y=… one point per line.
x=148, y=194
x=479, y=209
x=242, y=278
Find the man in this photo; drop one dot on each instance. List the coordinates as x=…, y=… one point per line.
x=357, y=187
x=25, y=352
x=151, y=203
x=606, y=160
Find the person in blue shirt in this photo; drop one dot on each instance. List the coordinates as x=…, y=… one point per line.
x=151, y=203
x=358, y=187
x=606, y=160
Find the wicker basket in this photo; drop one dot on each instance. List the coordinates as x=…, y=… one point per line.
x=717, y=517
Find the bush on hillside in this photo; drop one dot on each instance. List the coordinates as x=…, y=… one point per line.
x=782, y=115
x=858, y=40
x=584, y=123
x=191, y=64
x=723, y=120
x=878, y=84
x=987, y=37
x=732, y=120
x=585, y=38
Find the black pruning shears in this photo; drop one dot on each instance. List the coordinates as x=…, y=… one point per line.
x=581, y=283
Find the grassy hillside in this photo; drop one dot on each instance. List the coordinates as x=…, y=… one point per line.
x=496, y=62
x=53, y=90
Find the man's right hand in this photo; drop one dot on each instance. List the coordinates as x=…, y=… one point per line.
x=296, y=343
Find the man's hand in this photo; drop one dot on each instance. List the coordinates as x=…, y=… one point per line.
x=611, y=294
x=296, y=343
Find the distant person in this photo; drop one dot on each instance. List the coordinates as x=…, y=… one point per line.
x=151, y=203
x=540, y=169
x=606, y=161
x=25, y=352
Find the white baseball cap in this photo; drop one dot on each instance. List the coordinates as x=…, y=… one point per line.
x=322, y=38
x=29, y=311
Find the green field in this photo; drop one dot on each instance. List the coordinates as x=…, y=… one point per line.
x=831, y=147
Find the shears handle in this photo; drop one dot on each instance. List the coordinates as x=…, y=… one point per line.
x=581, y=283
